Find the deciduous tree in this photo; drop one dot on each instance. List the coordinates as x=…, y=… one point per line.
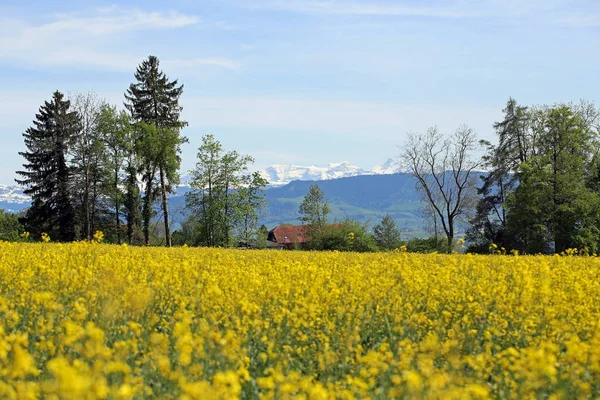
x=314, y=208
x=445, y=170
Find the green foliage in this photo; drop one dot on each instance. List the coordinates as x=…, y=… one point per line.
x=47, y=175
x=116, y=134
x=225, y=200
x=10, y=228
x=365, y=198
x=154, y=105
x=314, y=208
x=549, y=210
x=159, y=150
x=427, y=245
x=515, y=140
x=154, y=99
x=549, y=152
x=261, y=237
x=250, y=201
x=88, y=170
x=346, y=235
x=386, y=234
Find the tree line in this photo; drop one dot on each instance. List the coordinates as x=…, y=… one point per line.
x=536, y=191
x=90, y=167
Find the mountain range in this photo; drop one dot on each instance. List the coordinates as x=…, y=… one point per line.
x=366, y=196
x=282, y=174
x=13, y=199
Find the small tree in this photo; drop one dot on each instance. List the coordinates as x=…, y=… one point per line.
x=225, y=199
x=314, y=208
x=261, y=237
x=251, y=199
x=387, y=234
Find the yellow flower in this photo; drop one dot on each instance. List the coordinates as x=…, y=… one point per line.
x=107, y=321
x=98, y=237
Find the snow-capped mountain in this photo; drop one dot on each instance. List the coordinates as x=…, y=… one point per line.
x=282, y=174
x=13, y=195
x=13, y=199
x=390, y=166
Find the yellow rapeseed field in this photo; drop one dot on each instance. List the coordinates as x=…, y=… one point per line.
x=102, y=321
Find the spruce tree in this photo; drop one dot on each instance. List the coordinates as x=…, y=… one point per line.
x=387, y=234
x=154, y=100
x=46, y=176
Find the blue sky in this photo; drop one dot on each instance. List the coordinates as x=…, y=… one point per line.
x=303, y=81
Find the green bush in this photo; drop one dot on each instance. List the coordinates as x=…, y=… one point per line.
x=428, y=245
x=347, y=235
x=10, y=228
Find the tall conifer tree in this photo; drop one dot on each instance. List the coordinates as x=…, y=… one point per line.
x=154, y=100
x=46, y=175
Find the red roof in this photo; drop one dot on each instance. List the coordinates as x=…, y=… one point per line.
x=289, y=234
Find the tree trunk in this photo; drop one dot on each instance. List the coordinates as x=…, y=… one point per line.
x=147, y=208
x=226, y=215
x=165, y=205
x=93, y=210
x=450, y=234
x=86, y=204
x=118, y=231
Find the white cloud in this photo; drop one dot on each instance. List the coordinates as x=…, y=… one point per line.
x=115, y=20
x=93, y=40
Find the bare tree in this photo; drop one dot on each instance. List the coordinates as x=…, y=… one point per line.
x=444, y=170
x=87, y=158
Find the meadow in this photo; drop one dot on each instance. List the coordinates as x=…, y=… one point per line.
x=87, y=320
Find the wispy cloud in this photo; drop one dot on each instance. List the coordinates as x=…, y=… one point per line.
x=364, y=8
x=90, y=40
x=114, y=20
x=226, y=63
x=552, y=12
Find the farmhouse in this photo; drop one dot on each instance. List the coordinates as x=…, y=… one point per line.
x=288, y=237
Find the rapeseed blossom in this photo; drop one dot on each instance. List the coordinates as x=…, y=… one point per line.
x=84, y=320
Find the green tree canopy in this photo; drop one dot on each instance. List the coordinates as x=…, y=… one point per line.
x=314, y=208
x=47, y=175
x=387, y=234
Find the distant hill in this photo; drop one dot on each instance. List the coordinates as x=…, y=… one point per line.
x=366, y=198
